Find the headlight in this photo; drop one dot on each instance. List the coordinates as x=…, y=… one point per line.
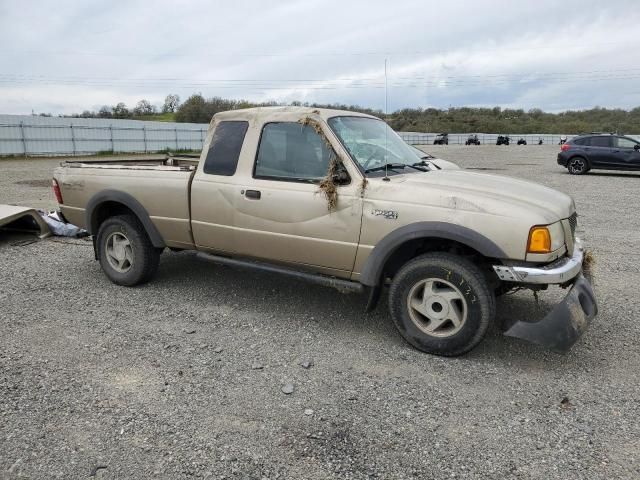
x=545, y=238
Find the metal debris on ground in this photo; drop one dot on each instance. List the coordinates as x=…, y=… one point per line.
x=60, y=227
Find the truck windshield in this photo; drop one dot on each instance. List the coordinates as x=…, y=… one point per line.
x=373, y=144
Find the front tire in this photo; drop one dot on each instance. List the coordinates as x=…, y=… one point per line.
x=125, y=251
x=441, y=304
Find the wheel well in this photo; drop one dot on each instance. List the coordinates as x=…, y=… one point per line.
x=415, y=247
x=106, y=210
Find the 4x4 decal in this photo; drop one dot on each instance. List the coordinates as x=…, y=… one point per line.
x=388, y=214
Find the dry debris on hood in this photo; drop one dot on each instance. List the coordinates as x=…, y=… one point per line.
x=327, y=186
x=363, y=185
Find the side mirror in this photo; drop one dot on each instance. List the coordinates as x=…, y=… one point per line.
x=341, y=177
x=636, y=147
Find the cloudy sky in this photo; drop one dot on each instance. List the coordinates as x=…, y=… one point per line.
x=66, y=56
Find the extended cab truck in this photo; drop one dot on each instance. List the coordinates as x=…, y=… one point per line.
x=338, y=198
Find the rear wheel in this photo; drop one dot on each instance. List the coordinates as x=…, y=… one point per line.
x=125, y=252
x=577, y=166
x=441, y=304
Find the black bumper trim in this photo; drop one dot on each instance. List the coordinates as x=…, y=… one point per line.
x=564, y=325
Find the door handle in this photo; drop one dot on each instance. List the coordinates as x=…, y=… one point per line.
x=254, y=194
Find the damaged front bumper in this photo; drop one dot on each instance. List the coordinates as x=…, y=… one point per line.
x=562, y=327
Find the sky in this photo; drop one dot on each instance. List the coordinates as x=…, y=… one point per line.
x=65, y=56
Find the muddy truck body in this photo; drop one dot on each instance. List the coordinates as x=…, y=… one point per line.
x=338, y=198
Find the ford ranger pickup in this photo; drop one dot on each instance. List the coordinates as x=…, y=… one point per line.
x=338, y=198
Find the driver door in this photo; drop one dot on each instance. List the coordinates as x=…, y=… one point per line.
x=282, y=214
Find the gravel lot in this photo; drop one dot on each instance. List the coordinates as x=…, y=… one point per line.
x=184, y=376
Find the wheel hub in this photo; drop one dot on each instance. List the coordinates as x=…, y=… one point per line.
x=119, y=252
x=437, y=307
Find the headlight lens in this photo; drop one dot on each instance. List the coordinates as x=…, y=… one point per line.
x=545, y=238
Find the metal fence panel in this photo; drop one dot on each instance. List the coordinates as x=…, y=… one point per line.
x=31, y=135
x=419, y=138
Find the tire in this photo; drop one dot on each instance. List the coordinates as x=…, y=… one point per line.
x=577, y=166
x=126, y=254
x=458, y=289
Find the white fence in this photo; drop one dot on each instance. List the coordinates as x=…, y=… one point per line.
x=418, y=138
x=30, y=135
x=33, y=136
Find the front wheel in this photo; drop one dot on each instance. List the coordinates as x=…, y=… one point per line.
x=441, y=304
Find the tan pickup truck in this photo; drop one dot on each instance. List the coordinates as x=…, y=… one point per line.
x=338, y=198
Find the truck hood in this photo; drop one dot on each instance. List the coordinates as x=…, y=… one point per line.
x=481, y=192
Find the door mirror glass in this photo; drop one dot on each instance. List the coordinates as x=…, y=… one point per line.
x=341, y=177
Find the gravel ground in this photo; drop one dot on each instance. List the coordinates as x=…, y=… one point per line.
x=186, y=376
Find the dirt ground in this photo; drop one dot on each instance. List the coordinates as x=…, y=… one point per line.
x=184, y=376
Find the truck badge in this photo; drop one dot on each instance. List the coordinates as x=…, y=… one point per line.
x=388, y=214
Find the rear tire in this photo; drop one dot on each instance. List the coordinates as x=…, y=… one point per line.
x=125, y=251
x=441, y=304
x=577, y=166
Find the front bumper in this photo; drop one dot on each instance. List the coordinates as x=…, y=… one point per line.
x=562, y=327
x=561, y=271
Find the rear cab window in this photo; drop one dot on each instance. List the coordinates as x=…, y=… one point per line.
x=290, y=151
x=224, y=150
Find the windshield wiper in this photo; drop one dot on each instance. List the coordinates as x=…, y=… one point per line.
x=386, y=166
x=422, y=163
x=419, y=165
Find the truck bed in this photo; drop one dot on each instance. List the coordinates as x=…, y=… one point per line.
x=160, y=185
x=172, y=163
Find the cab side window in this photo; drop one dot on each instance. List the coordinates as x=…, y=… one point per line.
x=291, y=151
x=224, y=150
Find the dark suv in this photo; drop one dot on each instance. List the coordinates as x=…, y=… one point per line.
x=441, y=139
x=599, y=151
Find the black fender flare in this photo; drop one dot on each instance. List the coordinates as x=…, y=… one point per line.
x=371, y=274
x=128, y=201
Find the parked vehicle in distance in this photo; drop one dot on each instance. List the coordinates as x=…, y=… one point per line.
x=338, y=198
x=472, y=140
x=441, y=139
x=522, y=141
x=436, y=163
x=599, y=151
x=502, y=140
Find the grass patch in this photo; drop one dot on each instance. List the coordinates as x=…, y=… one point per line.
x=160, y=117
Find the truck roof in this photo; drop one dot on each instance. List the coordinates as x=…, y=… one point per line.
x=257, y=113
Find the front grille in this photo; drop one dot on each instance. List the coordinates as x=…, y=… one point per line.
x=573, y=223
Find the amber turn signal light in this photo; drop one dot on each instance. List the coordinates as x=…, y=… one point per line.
x=539, y=240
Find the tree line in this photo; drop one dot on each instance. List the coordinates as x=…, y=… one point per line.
x=198, y=109
x=144, y=108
